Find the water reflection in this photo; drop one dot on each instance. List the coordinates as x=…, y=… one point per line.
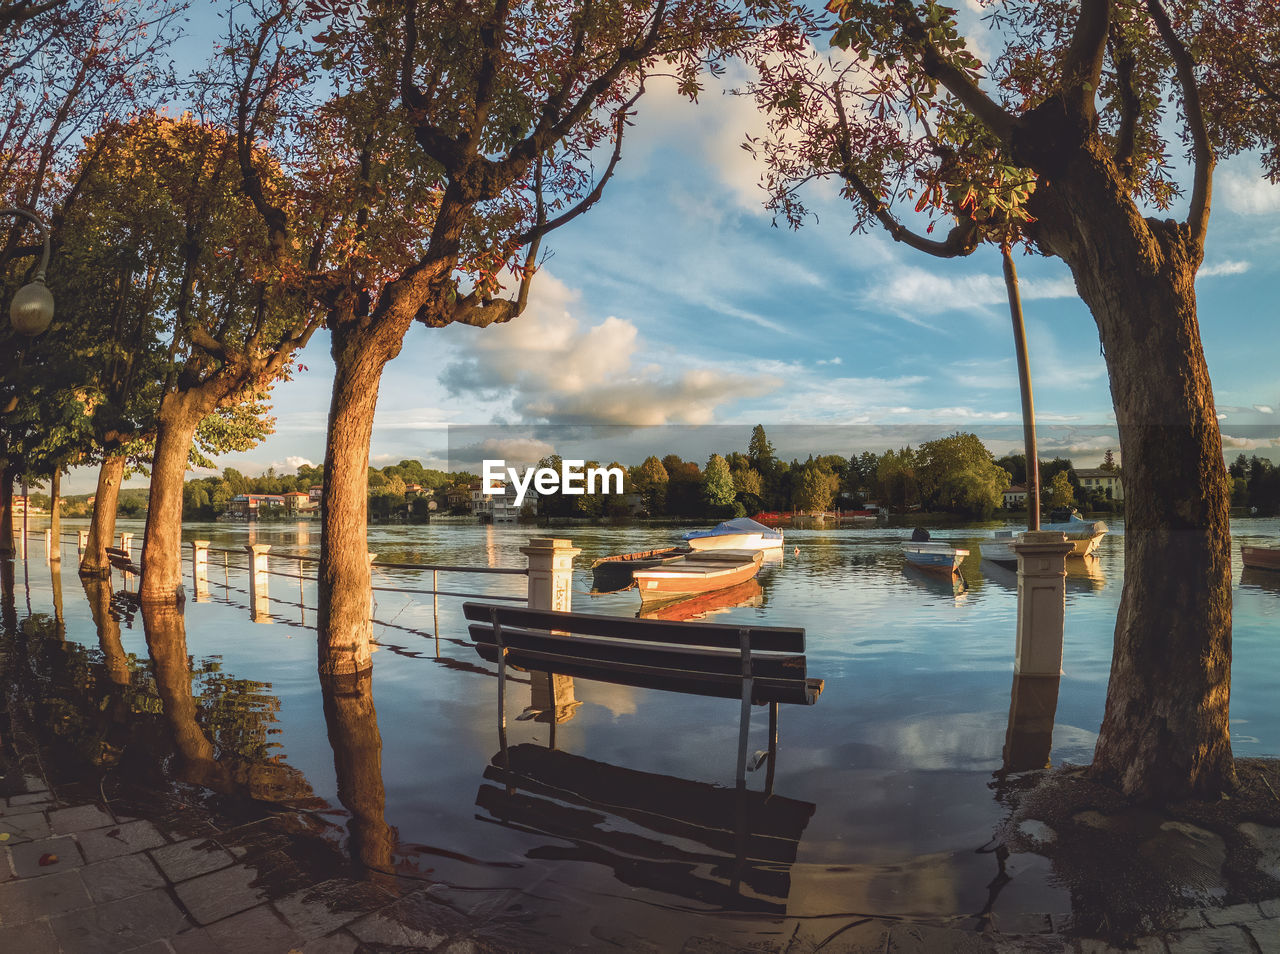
x=702, y=605
x=731, y=849
x=1260, y=579
x=950, y=586
x=352, y=724
x=1033, y=704
x=98, y=592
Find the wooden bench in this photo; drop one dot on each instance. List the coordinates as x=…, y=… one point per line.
x=121, y=560
x=761, y=665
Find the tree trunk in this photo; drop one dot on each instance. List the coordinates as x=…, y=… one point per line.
x=102, y=526
x=1164, y=734
x=6, y=510
x=180, y=413
x=343, y=612
x=55, y=515
x=352, y=722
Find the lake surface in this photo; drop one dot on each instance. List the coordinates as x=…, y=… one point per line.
x=882, y=800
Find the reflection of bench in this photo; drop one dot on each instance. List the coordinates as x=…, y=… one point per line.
x=727, y=847
x=757, y=664
x=121, y=560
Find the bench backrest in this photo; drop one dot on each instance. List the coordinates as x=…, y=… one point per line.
x=703, y=658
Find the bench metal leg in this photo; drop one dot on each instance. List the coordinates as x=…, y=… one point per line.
x=502, y=685
x=744, y=643
x=773, y=748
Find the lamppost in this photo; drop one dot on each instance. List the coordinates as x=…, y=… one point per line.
x=31, y=310
x=30, y=314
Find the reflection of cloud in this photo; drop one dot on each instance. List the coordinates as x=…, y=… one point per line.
x=554, y=369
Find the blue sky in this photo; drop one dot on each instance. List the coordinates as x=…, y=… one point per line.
x=676, y=301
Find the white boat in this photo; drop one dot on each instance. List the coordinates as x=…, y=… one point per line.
x=934, y=556
x=999, y=549
x=740, y=534
x=1084, y=535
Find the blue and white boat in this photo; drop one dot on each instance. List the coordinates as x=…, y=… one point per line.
x=934, y=556
x=1083, y=535
x=742, y=533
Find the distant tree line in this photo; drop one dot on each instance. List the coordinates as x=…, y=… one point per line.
x=1255, y=484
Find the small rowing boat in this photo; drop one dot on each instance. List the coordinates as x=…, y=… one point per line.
x=612, y=573
x=934, y=556
x=696, y=573
x=1261, y=558
x=740, y=534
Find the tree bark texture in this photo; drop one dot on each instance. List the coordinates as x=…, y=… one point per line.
x=55, y=515
x=352, y=722
x=1164, y=734
x=343, y=612
x=102, y=525
x=180, y=414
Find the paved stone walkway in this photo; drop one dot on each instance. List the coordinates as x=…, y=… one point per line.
x=79, y=879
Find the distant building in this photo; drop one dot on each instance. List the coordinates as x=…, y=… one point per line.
x=1015, y=497
x=1095, y=478
x=297, y=501
x=251, y=506
x=19, y=504
x=459, y=497
x=315, y=493
x=500, y=507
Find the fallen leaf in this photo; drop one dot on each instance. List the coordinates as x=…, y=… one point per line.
x=48, y=859
x=4, y=836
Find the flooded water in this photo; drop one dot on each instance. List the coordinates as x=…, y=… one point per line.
x=880, y=797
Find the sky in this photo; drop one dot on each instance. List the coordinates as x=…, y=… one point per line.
x=676, y=301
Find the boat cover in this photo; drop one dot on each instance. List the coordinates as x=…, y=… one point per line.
x=738, y=525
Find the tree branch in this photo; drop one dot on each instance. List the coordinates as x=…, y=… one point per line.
x=273, y=216
x=1130, y=106
x=1082, y=64
x=433, y=140
x=1201, y=148
x=24, y=10
x=956, y=81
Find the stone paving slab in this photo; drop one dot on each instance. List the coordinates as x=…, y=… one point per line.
x=34, y=937
x=64, y=821
x=25, y=802
x=259, y=930
x=1233, y=914
x=25, y=826
x=1266, y=934
x=59, y=854
x=215, y=896
x=340, y=943
x=121, y=877
x=33, y=898
x=119, y=925
x=103, y=843
x=1223, y=940
x=190, y=858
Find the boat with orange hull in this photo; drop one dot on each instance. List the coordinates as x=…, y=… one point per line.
x=699, y=572
x=702, y=605
x=612, y=573
x=1261, y=558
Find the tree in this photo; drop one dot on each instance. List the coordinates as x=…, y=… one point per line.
x=759, y=450
x=1109, y=460
x=1016, y=465
x=717, y=482
x=1060, y=494
x=650, y=480
x=1058, y=143
x=447, y=142
x=895, y=482
x=958, y=474
x=814, y=488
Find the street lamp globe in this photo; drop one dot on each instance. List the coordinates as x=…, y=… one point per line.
x=31, y=310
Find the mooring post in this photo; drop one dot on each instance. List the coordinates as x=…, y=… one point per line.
x=1042, y=601
x=200, y=569
x=258, y=581
x=82, y=542
x=551, y=588
x=126, y=542
x=50, y=546
x=550, y=573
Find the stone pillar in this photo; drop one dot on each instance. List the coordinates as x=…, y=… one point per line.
x=126, y=543
x=258, y=600
x=50, y=552
x=1042, y=601
x=200, y=569
x=550, y=573
x=82, y=541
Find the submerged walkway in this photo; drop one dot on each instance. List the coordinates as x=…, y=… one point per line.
x=79, y=877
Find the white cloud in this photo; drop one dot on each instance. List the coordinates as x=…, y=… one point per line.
x=1247, y=194
x=910, y=291
x=1222, y=268
x=549, y=366
x=1264, y=408
x=1249, y=443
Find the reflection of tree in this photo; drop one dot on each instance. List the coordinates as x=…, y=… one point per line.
x=220, y=737
x=357, y=759
x=98, y=592
x=8, y=597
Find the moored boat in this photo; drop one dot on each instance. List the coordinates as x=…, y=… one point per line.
x=697, y=572
x=1084, y=535
x=612, y=573
x=999, y=549
x=1261, y=558
x=934, y=556
x=742, y=533
x=702, y=605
